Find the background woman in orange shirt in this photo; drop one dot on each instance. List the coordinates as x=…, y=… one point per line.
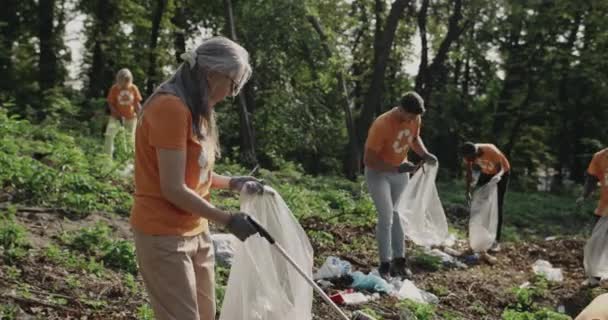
x=175, y=151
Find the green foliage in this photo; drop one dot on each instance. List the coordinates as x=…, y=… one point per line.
x=422, y=311
x=13, y=239
x=41, y=165
x=525, y=306
x=426, y=261
x=97, y=242
x=145, y=312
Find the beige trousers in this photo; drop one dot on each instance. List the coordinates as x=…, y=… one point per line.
x=179, y=275
x=112, y=130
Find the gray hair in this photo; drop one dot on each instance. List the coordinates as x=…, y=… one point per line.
x=224, y=56
x=189, y=83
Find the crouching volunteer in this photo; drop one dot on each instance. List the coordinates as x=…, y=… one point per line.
x=597, y=172
x=494, y=166
x=175, y=150
x=387, y=170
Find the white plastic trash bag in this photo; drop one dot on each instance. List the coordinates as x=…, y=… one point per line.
x=420, y=209
x=545, y=268
x=333, y=267
x=262, y=284
x=484, y=217
x=596, y=251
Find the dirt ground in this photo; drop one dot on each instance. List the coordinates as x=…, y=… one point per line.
x=479, y=292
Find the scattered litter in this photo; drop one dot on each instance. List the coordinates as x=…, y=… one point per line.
x=324, y=284
x=370, y=282
x=452, y=252
x=350, y=297
x=472, y=259
x=561, y=309
x=408, y=290
x=551, y=238
x=525, y=285
x=447, y=259
x=224, y=245
x=543, y=267
x=450, y=241
x=333, y=267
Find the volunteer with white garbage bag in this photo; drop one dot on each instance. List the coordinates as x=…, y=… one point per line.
x=175, y=151
x=494, y=167
x=596, y=249
x=387, y=170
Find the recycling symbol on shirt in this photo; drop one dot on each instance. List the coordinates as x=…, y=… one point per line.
x=486, y=165
x=404, y=137
x=125, y=98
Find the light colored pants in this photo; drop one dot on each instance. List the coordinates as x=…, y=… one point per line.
x=113, y=128
x=386, y=189
x=179, y=275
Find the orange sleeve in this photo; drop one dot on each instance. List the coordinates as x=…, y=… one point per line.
x=168, y=125
x=136, y=94
x=594, y=167
x=111, y=98
x=376, y=136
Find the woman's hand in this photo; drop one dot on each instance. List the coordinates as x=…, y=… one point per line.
x=249, y=184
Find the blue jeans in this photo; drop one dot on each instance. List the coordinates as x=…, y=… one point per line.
x=386, y=189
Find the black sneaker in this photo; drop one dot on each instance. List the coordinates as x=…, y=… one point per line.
x=399, y=269
x=384, y=269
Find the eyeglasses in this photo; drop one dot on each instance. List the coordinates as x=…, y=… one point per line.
x=235, y=86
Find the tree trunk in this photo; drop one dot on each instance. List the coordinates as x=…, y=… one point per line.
x=157, y=18
x=246, y=130
x=382, y=49
x=9, y=27
x=100, y=75
x=426, y=80
x=352, y=164
x=47, y=63
x=179, y=34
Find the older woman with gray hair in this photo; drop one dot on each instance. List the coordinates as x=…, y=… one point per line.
x=175, y=151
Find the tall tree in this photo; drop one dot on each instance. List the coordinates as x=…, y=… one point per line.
x=47, y=63
x=246, y=130
x=383, y=42
x=157, y=17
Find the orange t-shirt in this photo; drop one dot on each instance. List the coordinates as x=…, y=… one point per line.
x=391, y=137
x=599, y=168
x=491, y=159
x=167, y=123
x=124, y=101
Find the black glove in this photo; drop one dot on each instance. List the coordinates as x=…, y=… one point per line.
x=240, y=226
x=251, y=184
x=406, y=167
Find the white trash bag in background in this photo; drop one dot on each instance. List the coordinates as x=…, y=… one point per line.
x=262, y=284
x=596, y=251
x=483, y=222
x=420, y=209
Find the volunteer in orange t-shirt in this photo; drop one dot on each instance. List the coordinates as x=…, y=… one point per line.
x=124, y=103
x=389, y=139
x=175, y=151
x=493, y=166
x=597, y=172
